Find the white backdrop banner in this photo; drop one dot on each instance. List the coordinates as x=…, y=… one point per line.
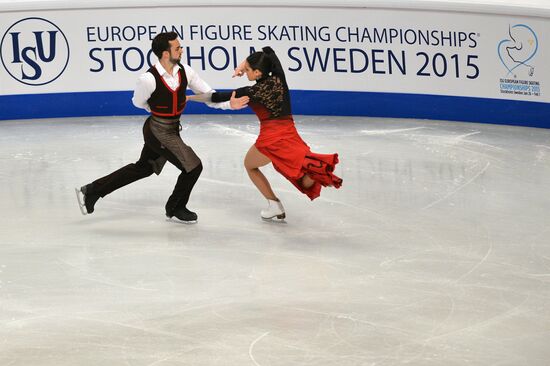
x=322, y=49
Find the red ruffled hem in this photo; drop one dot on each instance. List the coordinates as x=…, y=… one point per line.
x=318, y=167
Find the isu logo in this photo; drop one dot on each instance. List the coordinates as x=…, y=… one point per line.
x=34, y=51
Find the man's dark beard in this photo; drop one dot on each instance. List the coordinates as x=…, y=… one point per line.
x=174, y=61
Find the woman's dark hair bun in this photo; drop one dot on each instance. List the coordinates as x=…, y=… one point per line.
x=267, y=62
x=268, y=50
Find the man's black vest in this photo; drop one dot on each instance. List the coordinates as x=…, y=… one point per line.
x=165, y=102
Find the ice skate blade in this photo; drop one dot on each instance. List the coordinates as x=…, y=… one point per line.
x=178, y=221
x=276, y=218
x=274, y=221
x=80, y=202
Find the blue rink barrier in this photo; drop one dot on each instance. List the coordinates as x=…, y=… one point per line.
x=306, y=102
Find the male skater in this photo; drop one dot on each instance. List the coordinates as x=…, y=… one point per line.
x=161, y=91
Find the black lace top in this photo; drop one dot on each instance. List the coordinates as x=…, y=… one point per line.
x=271, y=92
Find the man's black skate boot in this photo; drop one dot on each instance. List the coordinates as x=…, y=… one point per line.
x=89, y=198
x=182, y=214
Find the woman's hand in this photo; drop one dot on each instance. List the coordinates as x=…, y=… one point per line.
x=239, y=70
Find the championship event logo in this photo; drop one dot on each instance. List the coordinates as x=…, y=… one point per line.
x=34, y=51
x=517, y=53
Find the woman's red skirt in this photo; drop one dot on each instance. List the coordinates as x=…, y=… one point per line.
x=290, y=155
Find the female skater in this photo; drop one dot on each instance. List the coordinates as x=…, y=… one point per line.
x=278, y=142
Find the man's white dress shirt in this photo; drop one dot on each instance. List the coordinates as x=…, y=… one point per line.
x=146, y=86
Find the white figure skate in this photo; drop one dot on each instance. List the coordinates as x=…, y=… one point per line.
x=274, y=210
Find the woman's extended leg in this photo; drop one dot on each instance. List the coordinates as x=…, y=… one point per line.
x=252, y=162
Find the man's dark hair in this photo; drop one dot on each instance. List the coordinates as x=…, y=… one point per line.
x=161, y=43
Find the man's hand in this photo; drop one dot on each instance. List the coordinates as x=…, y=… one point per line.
x=238, y=103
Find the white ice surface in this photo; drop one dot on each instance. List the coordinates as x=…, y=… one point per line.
x=435, y=251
